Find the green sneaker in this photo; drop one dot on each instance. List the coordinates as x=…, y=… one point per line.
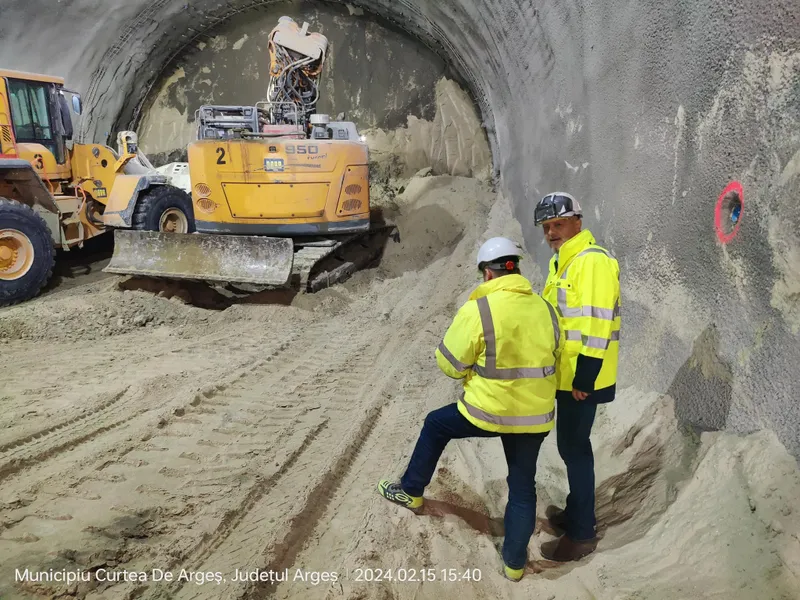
x=513, y=574
x=394, y=493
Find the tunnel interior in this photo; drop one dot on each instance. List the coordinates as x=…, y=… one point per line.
x=647, y=113
x=676, y=125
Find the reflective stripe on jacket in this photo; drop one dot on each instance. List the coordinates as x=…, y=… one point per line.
x=584, y=283
x=504, y=343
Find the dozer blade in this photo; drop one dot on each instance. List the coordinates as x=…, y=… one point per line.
x=203, y=257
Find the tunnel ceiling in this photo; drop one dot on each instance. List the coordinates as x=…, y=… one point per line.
x=645, y=111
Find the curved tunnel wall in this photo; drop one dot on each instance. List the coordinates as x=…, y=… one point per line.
x=645, y=111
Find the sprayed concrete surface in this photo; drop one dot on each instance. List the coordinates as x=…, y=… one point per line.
x=165, y=427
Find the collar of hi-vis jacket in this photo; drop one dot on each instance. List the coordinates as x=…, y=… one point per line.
x=509, y=283
x=570, y=249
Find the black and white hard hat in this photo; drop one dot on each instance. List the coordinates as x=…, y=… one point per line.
x=557, y=205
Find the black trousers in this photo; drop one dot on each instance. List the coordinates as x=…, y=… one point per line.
x=574, y=420
x=521, y=451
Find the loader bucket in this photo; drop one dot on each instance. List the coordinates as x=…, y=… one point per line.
x=203, y=257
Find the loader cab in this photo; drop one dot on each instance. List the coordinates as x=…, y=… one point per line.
x=39, y=113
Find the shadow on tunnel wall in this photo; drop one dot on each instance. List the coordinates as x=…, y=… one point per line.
x=658, y=455
x=703, y=386
x=698, y=399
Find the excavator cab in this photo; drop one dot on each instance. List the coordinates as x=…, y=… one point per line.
x=280, y=193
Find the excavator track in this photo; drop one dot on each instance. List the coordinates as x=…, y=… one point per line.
x=326, y=262
x=321, y=262
x=248, y=263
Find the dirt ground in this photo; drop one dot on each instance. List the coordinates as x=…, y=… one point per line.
x=141, y=434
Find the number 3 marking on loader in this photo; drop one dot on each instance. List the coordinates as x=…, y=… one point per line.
x=221, y=159
x=39, y=161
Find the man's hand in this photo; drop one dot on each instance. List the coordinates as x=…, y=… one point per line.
x=579, y=395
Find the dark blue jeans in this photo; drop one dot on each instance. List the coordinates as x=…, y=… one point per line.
x=522, y=452
x=574, y=420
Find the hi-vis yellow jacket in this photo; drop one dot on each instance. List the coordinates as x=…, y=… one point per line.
x=504, y=343
x=584, y=283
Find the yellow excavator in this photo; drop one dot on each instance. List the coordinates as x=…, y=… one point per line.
x=56, y=194
x=280, y=193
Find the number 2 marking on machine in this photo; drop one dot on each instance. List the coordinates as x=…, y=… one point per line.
x=221, y=160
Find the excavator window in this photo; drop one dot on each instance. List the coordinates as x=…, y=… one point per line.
x=30, y=113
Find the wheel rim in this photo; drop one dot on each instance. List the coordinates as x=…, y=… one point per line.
x=173, y=221
x=16, y=254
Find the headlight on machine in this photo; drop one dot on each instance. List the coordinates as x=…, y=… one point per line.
x=202, y=201
x=354, y=197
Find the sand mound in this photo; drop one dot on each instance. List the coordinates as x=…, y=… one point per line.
x=454, y=143
x=431, y=214
x=98, y=311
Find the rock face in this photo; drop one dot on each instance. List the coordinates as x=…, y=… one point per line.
x=452, y=143
x=377, y=76
x=646, y=112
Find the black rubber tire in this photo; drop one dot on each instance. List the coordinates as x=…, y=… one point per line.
x=15, y=215
x=152, y=204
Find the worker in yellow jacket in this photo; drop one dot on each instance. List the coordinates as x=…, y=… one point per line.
x=503, y=345
x=583, y=282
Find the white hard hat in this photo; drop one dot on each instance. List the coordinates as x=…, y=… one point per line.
x=498, y=247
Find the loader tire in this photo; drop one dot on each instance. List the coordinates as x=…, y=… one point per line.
x=164, y=208
x=27, y=252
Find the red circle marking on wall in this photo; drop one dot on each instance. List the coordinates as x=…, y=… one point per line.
x=733, y=186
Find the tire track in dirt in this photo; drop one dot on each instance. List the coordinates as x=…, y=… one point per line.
x=52, y=441
x=58, y=496
x=341, y=490
x=344, y=362
x=116, y=397
x=146, y=342
x=141, y=347
x=138, y=355
x=74, y=429
x=284, y=409
x=337, y=531
x=235, y=518
x=304, y=523
x=46, y=443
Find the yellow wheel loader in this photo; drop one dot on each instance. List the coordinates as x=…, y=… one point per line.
x=280, y=194
x=56, y=194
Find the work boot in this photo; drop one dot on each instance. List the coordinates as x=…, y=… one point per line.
x=565, y=550
x=556, y=521
x=513, y=574
x=394, y=493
